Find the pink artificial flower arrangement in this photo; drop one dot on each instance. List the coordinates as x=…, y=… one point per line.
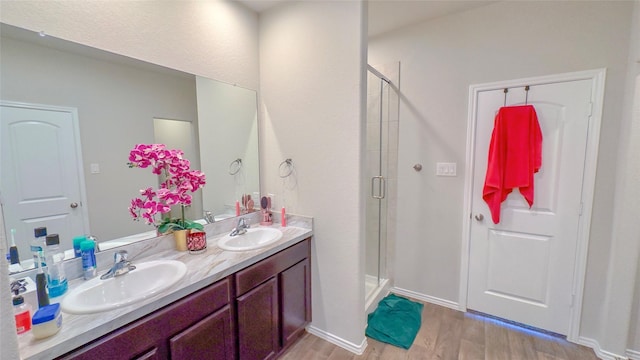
x=179, y=179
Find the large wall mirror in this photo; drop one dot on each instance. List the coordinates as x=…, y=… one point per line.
x=70, y=116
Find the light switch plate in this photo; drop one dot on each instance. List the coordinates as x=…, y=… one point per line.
x=445, y=169
x=95, y=168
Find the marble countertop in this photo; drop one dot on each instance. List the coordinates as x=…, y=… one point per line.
x=203, y=269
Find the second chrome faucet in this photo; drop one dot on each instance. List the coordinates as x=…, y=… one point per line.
x=241, y=228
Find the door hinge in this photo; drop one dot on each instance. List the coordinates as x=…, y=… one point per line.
x=580, y=209
x=589, y=109
x=573, y=300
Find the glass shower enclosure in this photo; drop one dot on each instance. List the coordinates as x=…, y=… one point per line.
x=381, y=157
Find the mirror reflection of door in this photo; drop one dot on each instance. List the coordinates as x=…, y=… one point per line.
x=180, y=134
x=41, y=174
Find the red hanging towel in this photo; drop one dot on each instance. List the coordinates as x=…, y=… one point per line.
x=515, y=154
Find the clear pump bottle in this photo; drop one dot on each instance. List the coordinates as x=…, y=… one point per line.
x=56, y=279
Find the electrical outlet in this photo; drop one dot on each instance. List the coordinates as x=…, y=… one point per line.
x=445, y=169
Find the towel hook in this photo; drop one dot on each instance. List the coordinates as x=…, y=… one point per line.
x=506, y=90
x=526, y=97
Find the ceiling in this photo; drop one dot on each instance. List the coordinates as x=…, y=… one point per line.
x=387, y=15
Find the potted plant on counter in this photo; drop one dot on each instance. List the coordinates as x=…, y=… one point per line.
x=179, y=181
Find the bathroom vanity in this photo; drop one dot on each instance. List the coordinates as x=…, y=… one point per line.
x=230, y=305
x=271, y=299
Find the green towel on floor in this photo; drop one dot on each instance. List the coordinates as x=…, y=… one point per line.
x=396, y=321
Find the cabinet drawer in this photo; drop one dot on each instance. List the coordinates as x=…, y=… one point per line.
x=255, y=275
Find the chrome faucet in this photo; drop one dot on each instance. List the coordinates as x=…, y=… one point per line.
x=208, y=217
x=241, y=228
x=121, y=265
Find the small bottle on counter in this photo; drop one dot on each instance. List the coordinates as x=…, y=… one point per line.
x=76, y=245
x=56, y=279
x=88, y=249
x=37, y=247
x=22, y=312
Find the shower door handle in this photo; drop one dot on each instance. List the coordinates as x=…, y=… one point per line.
x=383, y=185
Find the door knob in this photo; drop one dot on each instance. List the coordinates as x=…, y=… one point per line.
x=479, y=217
x=74, y=205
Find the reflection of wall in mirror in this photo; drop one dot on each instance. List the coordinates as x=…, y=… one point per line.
x=228, y=130
x=116, y=105
x=179, y=134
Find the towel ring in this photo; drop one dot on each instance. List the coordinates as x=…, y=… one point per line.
x=506, y=90
x=235, y=166
x=289, y=165
x=526, y=97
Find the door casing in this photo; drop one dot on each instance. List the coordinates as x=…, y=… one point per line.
x=597, y=77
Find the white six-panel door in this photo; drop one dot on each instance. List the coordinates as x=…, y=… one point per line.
x=522, y=268
x=40, y=173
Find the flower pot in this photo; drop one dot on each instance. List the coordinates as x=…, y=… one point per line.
x=180, y=238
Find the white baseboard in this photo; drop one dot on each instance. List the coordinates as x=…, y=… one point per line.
x=600, y=353
x=426, y=298
x=633, y=354
x=349, y=346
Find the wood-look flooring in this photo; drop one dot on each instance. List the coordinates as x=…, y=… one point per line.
x=448, y=334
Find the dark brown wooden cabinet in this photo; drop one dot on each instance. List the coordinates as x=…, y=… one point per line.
x=258, y=332
x=210, y=338
x=202, y=321
x=295, y=301
x=274, y=302
x=254, y=314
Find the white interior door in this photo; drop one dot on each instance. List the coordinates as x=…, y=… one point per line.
x=522, y=268
x=40, y=175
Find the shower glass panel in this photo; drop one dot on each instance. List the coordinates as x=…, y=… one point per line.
x=377, y=173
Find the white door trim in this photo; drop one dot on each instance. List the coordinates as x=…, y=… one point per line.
x=76, y=135
x=597, y=78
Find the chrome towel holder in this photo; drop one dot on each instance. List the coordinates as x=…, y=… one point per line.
x=235, y=166
x=285, y=167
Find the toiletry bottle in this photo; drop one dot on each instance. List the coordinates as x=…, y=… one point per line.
x=76, y=245
x=13, y=250
x=41, y=285
x=37, y=246
x=88, y=249
x=56, y=279
x=22, y=312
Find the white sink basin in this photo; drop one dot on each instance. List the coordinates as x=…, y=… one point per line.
x=254, y=238
x=147, y=280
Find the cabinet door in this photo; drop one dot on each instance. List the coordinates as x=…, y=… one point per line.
x=295, y=295
x=210, y=338
x=258, y=335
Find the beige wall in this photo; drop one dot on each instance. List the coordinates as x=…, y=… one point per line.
x=311, y=68
x=215, y=39
x=501, y=41
x=627, y=228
